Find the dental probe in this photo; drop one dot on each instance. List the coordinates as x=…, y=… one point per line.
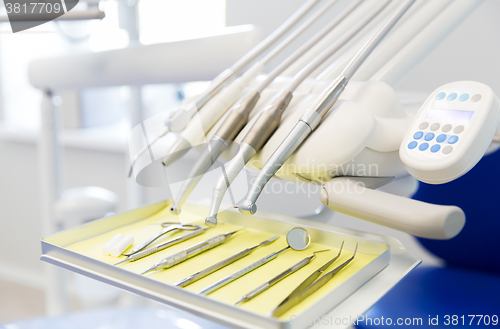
x=162, y=246
x=190, y=252
x=211, y=113
x=239, y=114
x=269, y=119
x=263, y=287
x=311, y=119
x=179, y=119
x=217, y=266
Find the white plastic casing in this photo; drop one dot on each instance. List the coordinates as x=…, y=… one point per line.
x=451, y=132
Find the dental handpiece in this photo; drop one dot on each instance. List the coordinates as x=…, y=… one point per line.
x=162, y=246
x=269, y=119
x=238, y=274
x=266, y=285
x=217, y=266
x=190, y=252
x=239, y=114
x=216, y=107
x=311, y=119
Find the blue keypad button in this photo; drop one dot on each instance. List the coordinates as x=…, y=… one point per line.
x=429, y=136
x=418, y=135
x=440, y=96
x=435, y=148
x=452, y=96
x=441, y=138
x=463, y=97
x=412, y=145
x=453, y=139
x=423, y=146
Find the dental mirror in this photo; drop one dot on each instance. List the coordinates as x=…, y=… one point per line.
x=298, y=238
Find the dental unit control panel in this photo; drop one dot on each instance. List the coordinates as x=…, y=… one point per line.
x=451, y=132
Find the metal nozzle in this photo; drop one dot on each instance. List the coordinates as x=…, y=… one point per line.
x=174, y=210
x=178, y=149
x=243, y=299
x=247, y=207
x=211, y=221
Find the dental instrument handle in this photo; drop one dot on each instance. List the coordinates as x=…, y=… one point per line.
x=190, y=252
x=411, y=216
x=263, y=287
x=313, y=116
x=211, y=269
x=162, y=246
x=238, y=274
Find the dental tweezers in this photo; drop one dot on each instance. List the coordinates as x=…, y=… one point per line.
x=162, y=246
x=310, y=285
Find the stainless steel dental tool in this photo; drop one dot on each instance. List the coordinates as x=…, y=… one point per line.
x=190, y=252
x=169, y=227
x=297, y=238
x=311, y=119
x=193, y=134
x=269, y=119
x=239, y=114
x=309, y=286
x=162, y=246
x=217, y=266
x=268, y=284
x=178, y=120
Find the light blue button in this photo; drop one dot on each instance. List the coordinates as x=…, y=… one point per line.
x=412, y=145
x=463, y=97
x=418, y=135
x=452, y=96
x=441, y=138
x=429, y=136
x=423, y=146
x=440, y=96
x=453, y=139
x=435, y=148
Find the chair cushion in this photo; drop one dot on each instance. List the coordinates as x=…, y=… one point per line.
x=431, y=291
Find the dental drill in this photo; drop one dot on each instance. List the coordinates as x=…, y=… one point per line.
x=239, y=115
x=179, y=119
x=311, y=119
x=194, y=132
x=269, y=119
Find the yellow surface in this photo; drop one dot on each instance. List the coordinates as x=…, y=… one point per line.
x=232, y=292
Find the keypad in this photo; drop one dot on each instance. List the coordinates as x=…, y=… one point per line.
x=458, y=129
x=429, y=136
x=423, y=146
x=441, y=138
x=447, y=149
x=435, y=148
x=418, y=135
x=453, y=139
x=424, y=125
x=446, y=128
x=412, y=145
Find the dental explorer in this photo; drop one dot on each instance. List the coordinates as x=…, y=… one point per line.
x=266, y=285
x=190, y=252
x=297, y=239
x=194, y=133
x=162, y=246
x=217, y=266
x=179, y=119
x=309, y=286
x=239, y=114
x=269, y=119
x=311, y=119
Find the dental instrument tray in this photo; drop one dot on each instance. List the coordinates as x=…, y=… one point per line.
x=379, y=264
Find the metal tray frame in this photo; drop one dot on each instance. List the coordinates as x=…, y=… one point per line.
x=340, y=307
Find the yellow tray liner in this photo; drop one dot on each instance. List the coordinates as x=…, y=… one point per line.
x=262, y=304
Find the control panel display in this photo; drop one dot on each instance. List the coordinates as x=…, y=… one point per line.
x=449, y=115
